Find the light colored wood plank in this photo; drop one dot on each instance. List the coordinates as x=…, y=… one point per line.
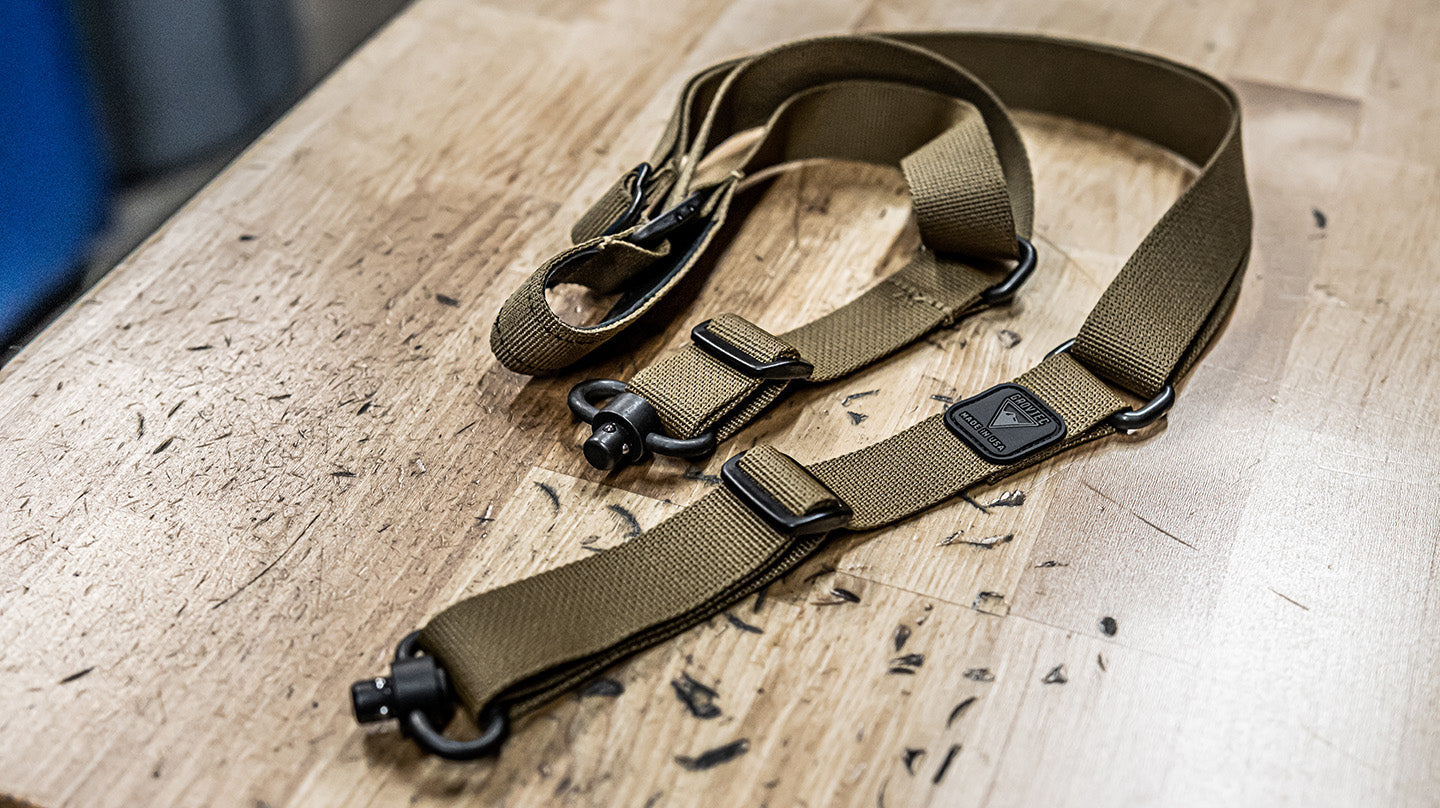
x=183, y=531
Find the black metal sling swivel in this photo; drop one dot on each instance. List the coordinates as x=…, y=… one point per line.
x=932, y=102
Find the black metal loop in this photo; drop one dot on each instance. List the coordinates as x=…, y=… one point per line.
x=1003, y=291
x=494, y=729
x=698, y=446
x=583, y=396
x=1134, y=419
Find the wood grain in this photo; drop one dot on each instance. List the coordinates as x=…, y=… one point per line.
x=273, y=441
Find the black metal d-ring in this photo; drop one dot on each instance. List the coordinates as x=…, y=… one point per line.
x=627, y=429
x=1003, y=291
x=1140, y=417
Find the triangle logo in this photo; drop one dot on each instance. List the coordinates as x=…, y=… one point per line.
x=1010, y=415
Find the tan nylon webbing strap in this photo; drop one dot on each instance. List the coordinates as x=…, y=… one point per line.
x=700, y=560
x=518, y=646
x=855, y=98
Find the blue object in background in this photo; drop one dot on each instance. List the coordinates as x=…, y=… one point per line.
x=53, y=188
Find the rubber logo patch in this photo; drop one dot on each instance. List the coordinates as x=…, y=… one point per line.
x=1005, y=423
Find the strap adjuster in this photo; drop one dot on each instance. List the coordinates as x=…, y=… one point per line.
x=722, y=349
x=815, y=521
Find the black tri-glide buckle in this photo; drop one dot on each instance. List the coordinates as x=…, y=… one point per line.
x=417, y=693
x=1005, y=423
x=627, y=429
x=763, y=503
x=722, y=349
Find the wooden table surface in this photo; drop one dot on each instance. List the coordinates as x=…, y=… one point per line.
x=274, y=440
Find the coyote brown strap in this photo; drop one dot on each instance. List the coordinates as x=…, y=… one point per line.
x=866, y=99
x=506, y=652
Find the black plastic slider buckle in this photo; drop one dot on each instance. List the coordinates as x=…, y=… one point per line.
x=417, y=693
x=762, y=502
x=662, y=225
x=780, y=369
x=628, y=429
x=1140, y=417
x=1003, y=291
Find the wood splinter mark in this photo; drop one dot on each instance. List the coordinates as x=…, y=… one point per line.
x=945, y=764
x=711, y=758
x=632, y=525
x=551, y=495
x=841, y=595
x=1056, y=676
x=1009, y=499
x=990, y=603
x=987, y=543
x=1289, y=599
x=742, y=625
x=845, y=402
x=697, y=698
x=76, y=675
x=959, y=710
x=906, y=664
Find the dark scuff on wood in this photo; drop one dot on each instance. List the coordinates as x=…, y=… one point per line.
x=76, y=675
x=632, y=525
x=550, y=495
x=902, y=634
x=742, y=625
x=845, y=402
x=945, y=764
x=711, y=758
x=959, y=710
x=979, y=675
x=1056, y=676
x=907, y=664
x=698, y=475
x=1108, y=626
x=697, y=698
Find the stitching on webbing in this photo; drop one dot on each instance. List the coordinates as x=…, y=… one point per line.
x=910, y=293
